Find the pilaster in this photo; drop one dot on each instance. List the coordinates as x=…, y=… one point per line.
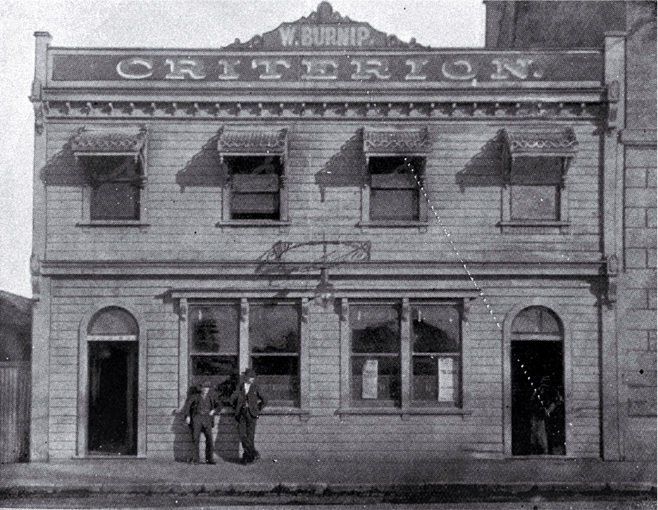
x=40, y=411
x=613, y=176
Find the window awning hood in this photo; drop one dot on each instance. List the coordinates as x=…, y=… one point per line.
x=253, y=141
x=110, y=142
x=555, y=142
x=395, y=141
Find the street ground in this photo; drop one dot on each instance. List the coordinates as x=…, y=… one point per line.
x=339, y=502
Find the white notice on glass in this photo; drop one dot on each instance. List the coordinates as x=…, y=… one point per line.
x=369, y=379
x=447, y=389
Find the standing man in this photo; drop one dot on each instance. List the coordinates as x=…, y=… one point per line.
x=199, y=412
x=546, y=401
x=248, y=402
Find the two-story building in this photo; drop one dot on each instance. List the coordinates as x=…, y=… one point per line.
x=402, y=241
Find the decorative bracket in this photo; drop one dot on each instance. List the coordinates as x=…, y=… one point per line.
x=38, y=117
x=344, y=310
x=613, y=93
x=35, y=271
x=612, y=271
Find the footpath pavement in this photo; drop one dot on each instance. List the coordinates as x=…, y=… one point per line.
x=383, y=480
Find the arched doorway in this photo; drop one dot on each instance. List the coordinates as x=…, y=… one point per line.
x=113, y=360
x=537, y=373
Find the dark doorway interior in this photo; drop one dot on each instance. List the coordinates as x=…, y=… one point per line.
x=112, y=398
x=533, y=361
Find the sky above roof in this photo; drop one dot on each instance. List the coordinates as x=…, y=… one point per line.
x=164, y=24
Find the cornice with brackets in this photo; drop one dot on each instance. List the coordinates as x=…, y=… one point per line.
x=357, y=109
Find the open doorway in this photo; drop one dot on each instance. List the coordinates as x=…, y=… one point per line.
x=537, y=398
x=113, y=369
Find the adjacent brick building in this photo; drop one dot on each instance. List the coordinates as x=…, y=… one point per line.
x=402, y=241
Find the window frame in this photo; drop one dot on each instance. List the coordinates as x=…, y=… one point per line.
x=376, y=402
x=522, y=144
x=296, y=402
x=228, y=192
x=87, y=198
x=245, y=148
x=407, y=406
x=220, y=353
x=140, y=157
x=561, y=192
x=456, y=356
x=244, y=353
x=367, y=190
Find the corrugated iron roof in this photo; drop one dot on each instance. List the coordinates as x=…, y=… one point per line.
x=396, y=141
x=256, y=141
x=95, y=141
x=558, y=141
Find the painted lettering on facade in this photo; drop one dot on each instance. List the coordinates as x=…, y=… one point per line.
x=324, y=36
x=324, y=68
x=489, y=67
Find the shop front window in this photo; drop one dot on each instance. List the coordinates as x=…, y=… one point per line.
x=214, y=340
x=266, y=333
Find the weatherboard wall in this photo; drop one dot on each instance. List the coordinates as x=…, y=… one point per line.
x=475, y=430
x=325, y=172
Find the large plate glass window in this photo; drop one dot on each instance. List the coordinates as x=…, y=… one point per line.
x=274, y=337
x=214, y=342
x=436, y=354
x=375, y=353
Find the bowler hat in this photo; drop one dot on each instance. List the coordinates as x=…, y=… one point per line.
x=249, y=373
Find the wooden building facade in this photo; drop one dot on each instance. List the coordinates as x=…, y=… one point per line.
x=402, y=241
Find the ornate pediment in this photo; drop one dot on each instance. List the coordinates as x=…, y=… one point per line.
x=324, y=29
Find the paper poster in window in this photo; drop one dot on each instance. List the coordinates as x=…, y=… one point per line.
x=447, y=380
x=369, y=379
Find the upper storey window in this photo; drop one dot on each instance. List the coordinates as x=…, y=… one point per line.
x=115, y=167
x=254, y=190
x=535, y=174
x=395, y=170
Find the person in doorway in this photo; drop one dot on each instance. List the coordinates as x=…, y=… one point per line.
x=248, y=402
x=199, y=411
x=544, y=405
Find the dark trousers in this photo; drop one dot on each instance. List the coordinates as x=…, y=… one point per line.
x=202, y=425
x=247, y=432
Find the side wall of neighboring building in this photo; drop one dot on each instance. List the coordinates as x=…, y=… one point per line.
x=637, y=318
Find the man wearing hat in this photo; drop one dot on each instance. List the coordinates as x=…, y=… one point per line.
x=248, y=402
x=199, y=411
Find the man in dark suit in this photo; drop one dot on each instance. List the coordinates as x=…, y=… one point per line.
x=248, y=402
x=200, y=408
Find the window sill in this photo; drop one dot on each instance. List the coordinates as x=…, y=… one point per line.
x=403, y=413
x=113, y=223
x=420, y=225
x=93, y=456
x=252, y=223
x=303, y=414
x=534, y=226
